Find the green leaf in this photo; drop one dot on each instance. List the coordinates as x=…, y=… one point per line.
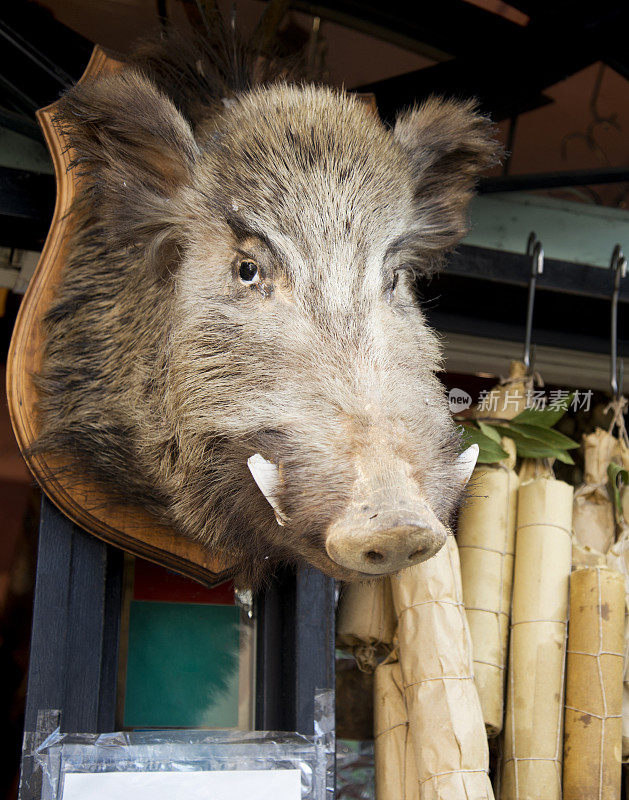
x=489, y=451
x=520, y=439
x=530, y=447
x=561, y=455
x=534, y=450
x=617, y=477
x=548, y=436
x=489, y=431
x=490, y=456
x=545, y=418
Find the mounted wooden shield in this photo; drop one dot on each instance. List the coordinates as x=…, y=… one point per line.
x=88, y=505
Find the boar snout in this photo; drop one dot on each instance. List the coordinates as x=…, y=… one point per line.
x=378, y=541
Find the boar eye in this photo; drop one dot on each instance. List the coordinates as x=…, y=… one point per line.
x=248, y=271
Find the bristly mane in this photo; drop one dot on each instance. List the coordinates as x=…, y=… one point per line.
x=202, y=73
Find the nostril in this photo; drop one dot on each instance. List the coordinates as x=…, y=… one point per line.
x=374, y=556
x=416, y=554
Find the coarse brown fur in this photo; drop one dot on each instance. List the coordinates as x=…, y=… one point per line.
x=164, y=372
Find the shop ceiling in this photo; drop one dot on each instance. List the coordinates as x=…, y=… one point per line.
x=464, y=49
x=531, y=61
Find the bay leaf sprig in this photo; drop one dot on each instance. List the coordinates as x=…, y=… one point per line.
x=531, y=431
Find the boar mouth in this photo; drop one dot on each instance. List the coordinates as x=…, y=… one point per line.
x=389, y=525
x=267, y=476
x=372, y=539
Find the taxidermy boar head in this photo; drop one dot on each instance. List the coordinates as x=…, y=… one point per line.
x=236, y=344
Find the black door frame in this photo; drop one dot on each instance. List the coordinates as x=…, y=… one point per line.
x=73, y=664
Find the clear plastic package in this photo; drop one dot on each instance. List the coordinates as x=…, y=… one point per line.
x=152, y=763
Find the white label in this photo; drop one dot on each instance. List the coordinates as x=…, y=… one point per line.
x=279, y=784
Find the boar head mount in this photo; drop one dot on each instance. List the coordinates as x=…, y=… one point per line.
x=236, y=344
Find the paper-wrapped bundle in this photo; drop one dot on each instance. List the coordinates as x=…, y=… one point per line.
x=366, y=621
x=623, y=548
x=396, y=774
x=593, y=513
x=444, y=712
x=509, y=398
x=618, y=559
x=532, y=468
x=584, y=556
x=485, y=536
x=535, y=680
x=593, y=722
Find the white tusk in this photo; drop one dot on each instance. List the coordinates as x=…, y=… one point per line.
x=466, y=462
x=267, y=476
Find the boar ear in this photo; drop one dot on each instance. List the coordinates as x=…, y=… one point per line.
x=133, y=151
x=449, y=143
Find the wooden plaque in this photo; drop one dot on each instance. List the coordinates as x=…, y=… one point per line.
x=88, y=505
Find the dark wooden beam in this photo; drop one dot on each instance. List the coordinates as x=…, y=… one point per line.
x=39, y=56
x=553, y=180
x=76, y=618
x=565, y=277
x=449, y=27
x=295, y=649
x=508, y=74
x=27, y=201
x=483, y=292
x=20, y=123
x=614, y=52
x=619, y=62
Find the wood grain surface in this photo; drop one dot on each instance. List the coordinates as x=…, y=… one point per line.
x=88, y=505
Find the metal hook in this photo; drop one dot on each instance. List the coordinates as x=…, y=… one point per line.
x=619, y=265
x=536, y=253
